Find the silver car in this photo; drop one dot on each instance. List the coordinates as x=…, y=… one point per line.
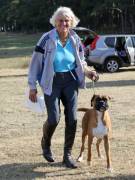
x=110, y=52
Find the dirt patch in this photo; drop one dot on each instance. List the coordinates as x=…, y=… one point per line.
x=21, y=131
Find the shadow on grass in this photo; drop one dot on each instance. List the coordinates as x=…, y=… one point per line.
x=89, y=84
x=14, y=75
x=119, y=177
x=110, y=83
x=17, y=52
x=17, y=45
x=127, y=69
x=32, y=171
x=123, y=69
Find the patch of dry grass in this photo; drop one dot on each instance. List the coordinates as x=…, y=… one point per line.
x=21, y=131
x=16, y=49
x=15, y=63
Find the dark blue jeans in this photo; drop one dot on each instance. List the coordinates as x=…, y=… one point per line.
x=65, y=89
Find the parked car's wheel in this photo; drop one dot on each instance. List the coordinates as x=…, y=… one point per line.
x=111, y=65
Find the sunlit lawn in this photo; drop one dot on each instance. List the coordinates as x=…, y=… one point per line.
x=16, y=49
x=21, y=129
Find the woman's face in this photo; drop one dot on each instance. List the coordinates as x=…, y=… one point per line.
x=63, y=24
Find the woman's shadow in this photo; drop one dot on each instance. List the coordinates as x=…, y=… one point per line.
x=22, y=171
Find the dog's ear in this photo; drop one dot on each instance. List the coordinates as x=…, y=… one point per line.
x=92, y=99
x=109, y=97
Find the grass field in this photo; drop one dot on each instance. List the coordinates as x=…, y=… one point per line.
x=21, y=129
x=16, y=49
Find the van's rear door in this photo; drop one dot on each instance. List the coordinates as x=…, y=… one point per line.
x=85, y=35
x=130, y=46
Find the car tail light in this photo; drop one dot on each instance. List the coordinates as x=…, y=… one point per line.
x=93, y=44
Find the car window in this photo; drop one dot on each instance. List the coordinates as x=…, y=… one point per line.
x=120, y=43
x=133, y=41
x=109, y=41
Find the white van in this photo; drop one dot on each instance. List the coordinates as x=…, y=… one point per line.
x=110, y=52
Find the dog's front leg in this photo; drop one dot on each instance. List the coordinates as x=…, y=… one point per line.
x=80, y=157
x=90, y=139
x=107, y=150
x=98, y=149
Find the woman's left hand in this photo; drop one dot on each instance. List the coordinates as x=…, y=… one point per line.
x=92, y=75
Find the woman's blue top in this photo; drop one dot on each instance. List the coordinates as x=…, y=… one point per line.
x=64, y=59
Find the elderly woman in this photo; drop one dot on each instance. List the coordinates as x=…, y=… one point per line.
x=59, y=67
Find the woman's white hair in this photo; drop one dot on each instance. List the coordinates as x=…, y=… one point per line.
x=64, y=11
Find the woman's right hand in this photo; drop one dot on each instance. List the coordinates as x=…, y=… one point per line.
x=33, y=95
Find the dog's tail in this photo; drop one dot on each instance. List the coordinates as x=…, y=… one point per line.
x=83, y=109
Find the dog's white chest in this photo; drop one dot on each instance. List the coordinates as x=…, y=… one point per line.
x=101, y=130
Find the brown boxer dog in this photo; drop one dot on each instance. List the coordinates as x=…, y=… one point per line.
x=96, y=122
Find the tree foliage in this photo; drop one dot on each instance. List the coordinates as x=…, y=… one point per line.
x=106, y=16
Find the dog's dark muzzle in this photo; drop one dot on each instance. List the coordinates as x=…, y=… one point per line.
x=101, y=106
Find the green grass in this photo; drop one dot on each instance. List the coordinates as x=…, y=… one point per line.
x=16, y=49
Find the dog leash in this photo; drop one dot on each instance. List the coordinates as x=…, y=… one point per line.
x=93, y=87
x=93, y=84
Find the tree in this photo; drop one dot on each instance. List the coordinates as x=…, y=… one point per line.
x=104, y=16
